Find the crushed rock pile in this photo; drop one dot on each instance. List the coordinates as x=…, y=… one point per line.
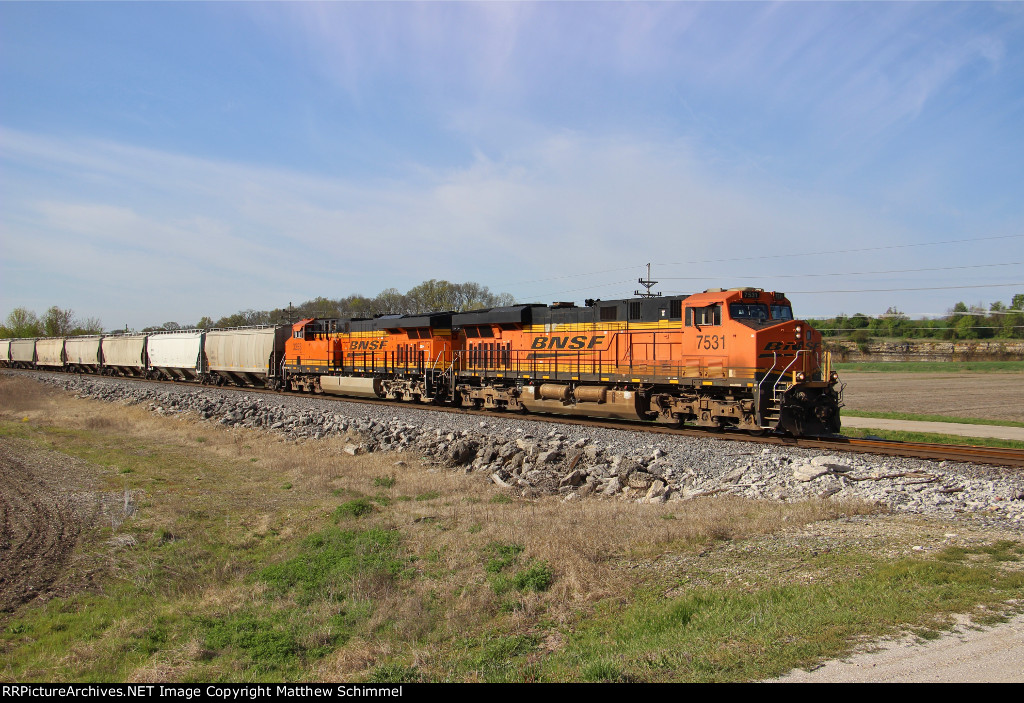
x=575, y=462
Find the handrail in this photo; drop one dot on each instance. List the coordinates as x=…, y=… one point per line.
x=785, y=370
x=775, y=360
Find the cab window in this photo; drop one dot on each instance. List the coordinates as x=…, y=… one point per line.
x=701, y=317
x=748, y=311
x=782, y=312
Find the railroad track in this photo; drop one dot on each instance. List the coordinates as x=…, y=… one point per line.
x=997, y=456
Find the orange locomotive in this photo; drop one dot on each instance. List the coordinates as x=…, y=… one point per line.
x=722, y=358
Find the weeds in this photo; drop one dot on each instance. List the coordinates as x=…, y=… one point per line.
x=353, y=509
x=231, y=578
x=536, y=575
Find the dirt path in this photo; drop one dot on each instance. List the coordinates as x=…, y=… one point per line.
x=967, y=655
x=1015, y=434
x=43, y=512
x=995, y=396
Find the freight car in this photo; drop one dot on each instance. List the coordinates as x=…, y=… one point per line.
x=722, y=358
x=243, y=356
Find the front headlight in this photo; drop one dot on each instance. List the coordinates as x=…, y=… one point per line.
x=801, y=377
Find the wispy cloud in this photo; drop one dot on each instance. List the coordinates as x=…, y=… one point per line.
x=210, y=237
x=378, y=144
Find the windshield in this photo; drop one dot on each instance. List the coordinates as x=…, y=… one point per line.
x=782, y=312
x=748, y=311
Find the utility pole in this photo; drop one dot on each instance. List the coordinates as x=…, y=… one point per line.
x=647, y=284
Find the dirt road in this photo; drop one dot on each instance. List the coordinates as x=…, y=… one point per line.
x=45, y=505
x=967, y=655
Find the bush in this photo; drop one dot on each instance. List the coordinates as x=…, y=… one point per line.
x=863, y=339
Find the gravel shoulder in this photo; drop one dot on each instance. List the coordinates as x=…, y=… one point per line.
x=541, y=458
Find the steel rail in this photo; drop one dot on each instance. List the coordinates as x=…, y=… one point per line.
x=965, y=453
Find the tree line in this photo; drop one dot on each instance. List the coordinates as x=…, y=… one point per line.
x=999, y=321
x=430, y=296
x=55, y=322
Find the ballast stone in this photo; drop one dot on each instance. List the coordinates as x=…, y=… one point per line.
x=538, y=459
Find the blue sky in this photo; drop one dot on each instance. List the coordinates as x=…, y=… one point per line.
x=165, y=161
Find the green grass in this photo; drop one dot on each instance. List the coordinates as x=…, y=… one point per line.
x=897, y=436
x=743, y=634
x=353, y=509
x=331, y=559
x=237, y=580
x=931, y=418
x=931, y=366
x=501, y=556
x=536, y=575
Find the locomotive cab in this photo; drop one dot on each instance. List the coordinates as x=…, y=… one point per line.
x=797, y=388
x=753, y=334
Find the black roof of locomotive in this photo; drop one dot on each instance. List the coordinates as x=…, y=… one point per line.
x=512, y=315
x=623, y=309
x=433, y=320
x=642, y=310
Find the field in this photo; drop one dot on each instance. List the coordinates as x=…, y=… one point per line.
x=986, y=395
x=148, y=548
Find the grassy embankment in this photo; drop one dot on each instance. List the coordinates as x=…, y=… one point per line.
x=930, y=438
x=251, y=558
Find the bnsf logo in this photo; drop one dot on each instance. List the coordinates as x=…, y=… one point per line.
x=781, y=346
x=578, y=342
x=369, y=344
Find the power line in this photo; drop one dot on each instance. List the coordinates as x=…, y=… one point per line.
x=570, y=290
x=837, y=273
x=848, y=251
x=891, y=290
x=769, y=256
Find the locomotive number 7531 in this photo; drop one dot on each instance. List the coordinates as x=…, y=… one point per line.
x=710, y=341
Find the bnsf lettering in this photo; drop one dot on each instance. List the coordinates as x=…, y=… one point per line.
x=578, y=342
x=369, y=344
x=781, y=346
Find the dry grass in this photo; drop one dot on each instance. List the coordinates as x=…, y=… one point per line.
x=240, y=491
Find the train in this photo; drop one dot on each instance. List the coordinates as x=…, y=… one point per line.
x=722, y=359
